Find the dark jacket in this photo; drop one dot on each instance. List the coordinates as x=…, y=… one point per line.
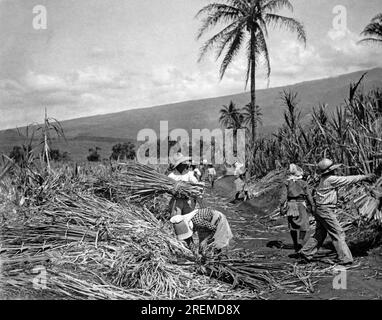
x=296, y=190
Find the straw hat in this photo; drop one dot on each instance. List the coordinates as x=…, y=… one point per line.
x=327, y=165
x=179, y=158
x=239, y=168
x=194, y=163
x=239, y=172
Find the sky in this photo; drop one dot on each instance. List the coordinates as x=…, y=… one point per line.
x=103, y=56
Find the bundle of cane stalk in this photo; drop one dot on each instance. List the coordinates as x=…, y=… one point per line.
x=142, y=183
x=370, y=204
x=269, y=183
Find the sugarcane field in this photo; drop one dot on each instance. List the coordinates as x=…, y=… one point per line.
x=135, y=166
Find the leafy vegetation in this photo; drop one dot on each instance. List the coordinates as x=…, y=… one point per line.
x=352, y=135
x=94, y=156
x=123, y=151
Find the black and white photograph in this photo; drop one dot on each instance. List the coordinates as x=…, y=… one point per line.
x=194, y=156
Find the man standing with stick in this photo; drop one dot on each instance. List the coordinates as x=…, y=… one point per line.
x=326, y=206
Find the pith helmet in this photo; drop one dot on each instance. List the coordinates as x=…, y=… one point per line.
x=327, y=165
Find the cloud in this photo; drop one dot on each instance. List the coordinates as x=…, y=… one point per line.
x=343, y=51
x=44, y=82
x=337, y=53
x=120, y=61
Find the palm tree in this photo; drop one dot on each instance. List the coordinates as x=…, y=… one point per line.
x=230, y=117
x=247, y=24
x=373, y=31
x=248, y=112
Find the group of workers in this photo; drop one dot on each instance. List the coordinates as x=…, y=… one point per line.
x=189, y=216
x=297, y=200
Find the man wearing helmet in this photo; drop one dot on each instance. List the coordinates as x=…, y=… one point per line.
x=326, y=205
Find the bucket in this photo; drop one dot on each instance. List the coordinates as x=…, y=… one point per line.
x=182, y=230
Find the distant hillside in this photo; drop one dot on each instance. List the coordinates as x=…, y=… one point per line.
x=106, y=130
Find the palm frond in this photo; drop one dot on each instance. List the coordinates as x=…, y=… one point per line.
x=263, y=48
x=274, y=5
x=218, y=39
x=291, y=24
x=232, y=51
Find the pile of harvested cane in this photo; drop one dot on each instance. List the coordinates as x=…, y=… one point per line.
x=93, y=248
x=125, y=240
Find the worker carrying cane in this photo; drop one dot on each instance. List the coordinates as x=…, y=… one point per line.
x=325, y=215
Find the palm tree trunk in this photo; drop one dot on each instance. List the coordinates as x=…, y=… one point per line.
x=253, y=101
x=253, y=86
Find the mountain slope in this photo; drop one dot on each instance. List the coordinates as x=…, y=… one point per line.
x=200, y=114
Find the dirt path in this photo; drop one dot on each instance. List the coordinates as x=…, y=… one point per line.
x=253, y=231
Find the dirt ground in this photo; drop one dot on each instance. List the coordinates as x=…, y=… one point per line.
x=271, y=240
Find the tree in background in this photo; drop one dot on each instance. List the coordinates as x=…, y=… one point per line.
x=57, y=155
x=373, y=31
x=230, y=117
x=19, y=154
x=248, y=112
x=246, y=25
x=94, y=156
x=123, y=151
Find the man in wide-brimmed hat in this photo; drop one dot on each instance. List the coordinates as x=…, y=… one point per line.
x=326, y=205
x=181, y=165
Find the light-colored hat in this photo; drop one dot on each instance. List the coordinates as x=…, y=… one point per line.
x=205, y=161
x=179, y=158
x=239, y=168
x=194, y=163
x=239, y=171
x=327, y=165
x=296, y=170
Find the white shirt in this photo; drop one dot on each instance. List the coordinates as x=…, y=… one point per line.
x=197, y=171
x=238, y=168
x=212, y=171
x=187, y=177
